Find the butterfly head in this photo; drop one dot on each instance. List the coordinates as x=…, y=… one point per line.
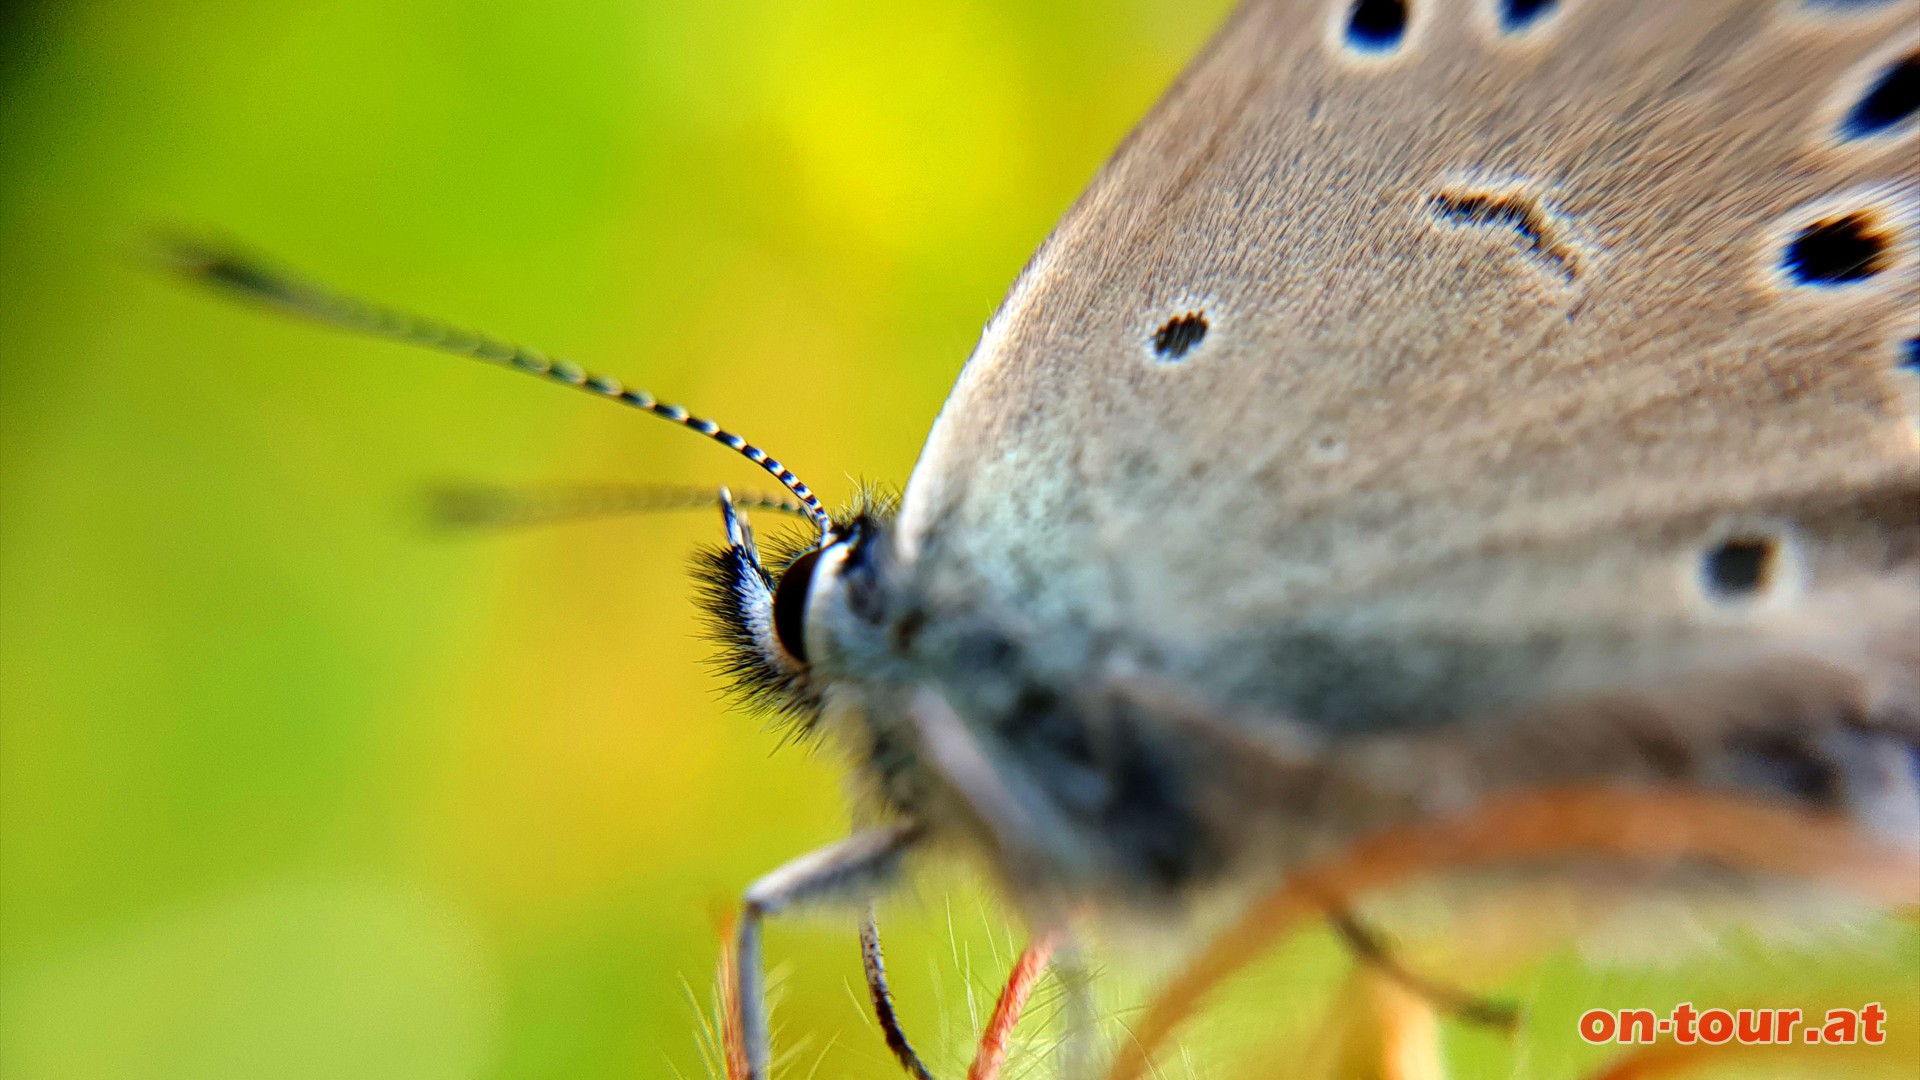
x=782, y=619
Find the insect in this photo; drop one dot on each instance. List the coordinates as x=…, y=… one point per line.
x=1432, y=400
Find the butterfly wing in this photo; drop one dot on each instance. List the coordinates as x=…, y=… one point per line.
x=1383, y=386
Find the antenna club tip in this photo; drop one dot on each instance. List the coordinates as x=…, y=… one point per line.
x=454, y=507
x=219, y=263
x=187, y=252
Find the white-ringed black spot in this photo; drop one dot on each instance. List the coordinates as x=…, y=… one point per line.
x=1377, y=25
x=1519, y=14
x=1838, y=250
x=1740, y=566
x=1891, y=101
x=1179, y=336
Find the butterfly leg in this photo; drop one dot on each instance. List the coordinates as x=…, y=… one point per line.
x=994, y=1039
x=1370, y=949
x=873, y=963
x=848, y=872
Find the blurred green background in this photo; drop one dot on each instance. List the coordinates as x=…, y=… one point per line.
x=295, y=788
x=291, y=786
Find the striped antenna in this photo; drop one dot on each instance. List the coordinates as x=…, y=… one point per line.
x=257, y=281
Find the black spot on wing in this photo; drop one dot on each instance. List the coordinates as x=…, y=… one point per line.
x=1179, y=336
x=1512, y=210
x=1845, y=6
x=1842, y=249
x=1891, y=101
x=1516, y=15
x=1376, y=25
x=1739, y=566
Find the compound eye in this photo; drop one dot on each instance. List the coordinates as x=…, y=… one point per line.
x=790, y=604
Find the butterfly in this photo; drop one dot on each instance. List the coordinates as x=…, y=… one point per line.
x=1431, y=401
